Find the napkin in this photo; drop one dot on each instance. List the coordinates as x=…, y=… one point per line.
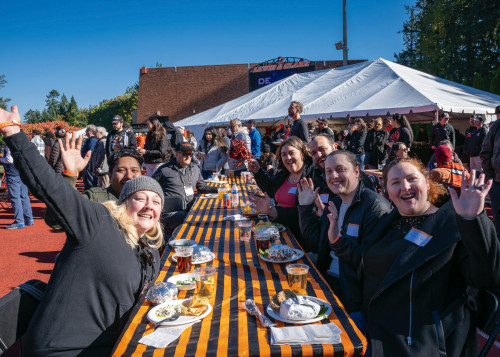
x=306, y=335
x=235, y=217
x=299, y=308
x=164, y=335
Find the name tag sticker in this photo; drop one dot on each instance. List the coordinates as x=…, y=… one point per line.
x=324, y=197
x=189, y=191
x=353, y=229
x=293, y=190
x=418, y=237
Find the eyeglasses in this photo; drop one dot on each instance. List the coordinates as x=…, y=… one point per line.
x=404, y=149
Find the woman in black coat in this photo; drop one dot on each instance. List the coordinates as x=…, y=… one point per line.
x=109, y=256
x=375, y=149
x=294, y=164
x=156, y=146
x=356, y=140
x=423, y=259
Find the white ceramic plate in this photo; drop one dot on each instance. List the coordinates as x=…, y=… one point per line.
x=212, y=256
x=182, y=242
x=179, y=277
x=297, y=254
x=182, y=320
x=276, y=316
x=210, y=195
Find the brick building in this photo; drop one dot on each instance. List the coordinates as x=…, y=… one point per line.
x=179, y=92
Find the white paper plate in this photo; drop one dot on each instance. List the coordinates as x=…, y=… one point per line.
x=210, y=195
x=186, y=276
x=297, y=254
x=212, y=256
x=276, y=315
x=182, y=242
x=182, y=320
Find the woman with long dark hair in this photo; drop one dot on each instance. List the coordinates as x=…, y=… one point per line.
x=398, y=151
x=155, y=147
x=401, y=131
x=211, y=152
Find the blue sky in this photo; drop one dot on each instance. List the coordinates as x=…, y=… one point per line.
x=93, y=50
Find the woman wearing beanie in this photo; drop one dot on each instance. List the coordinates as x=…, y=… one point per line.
x=109, y=257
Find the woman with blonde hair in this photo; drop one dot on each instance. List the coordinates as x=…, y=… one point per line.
x=109, y=257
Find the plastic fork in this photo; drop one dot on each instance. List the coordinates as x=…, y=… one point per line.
x=171, y=318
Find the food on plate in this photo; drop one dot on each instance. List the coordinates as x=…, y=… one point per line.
x=167, y=311
x=191, y=281
x=263, y=225
x=281, y=296
x=194, y=307
x=279, y=253
x=201, y=253
x=299, y=308
x=162, y=292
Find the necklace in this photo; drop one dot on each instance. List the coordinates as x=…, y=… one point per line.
x=293, y=180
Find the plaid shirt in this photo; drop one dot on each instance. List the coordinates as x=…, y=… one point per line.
x=40, y=145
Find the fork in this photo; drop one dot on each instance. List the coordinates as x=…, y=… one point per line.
x=171, y=318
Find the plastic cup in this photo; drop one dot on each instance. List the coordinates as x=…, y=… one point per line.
x=245, y=229
x=205, y=281
x=262, y=241
x=297, y=277
x=221, y=191
x=184, y=258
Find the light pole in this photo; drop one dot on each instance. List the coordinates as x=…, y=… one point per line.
x=344, y=47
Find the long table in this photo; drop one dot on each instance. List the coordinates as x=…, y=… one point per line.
x=229, y=330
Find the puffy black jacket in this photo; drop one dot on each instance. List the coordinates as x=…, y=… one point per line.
x=490, y=153
x=375, y=145
x=173, y=179
x=155, y=150
x=420, y=307
x=357, y=142
x=364, y=213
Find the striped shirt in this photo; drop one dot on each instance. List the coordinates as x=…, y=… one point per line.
x=40, y=144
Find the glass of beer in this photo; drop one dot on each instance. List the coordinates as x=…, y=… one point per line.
x=297, y=277
x=262, y=240
x=184, y=258
x=245, y=229
x=205, y=281
x=221, y=191
x=231, y=174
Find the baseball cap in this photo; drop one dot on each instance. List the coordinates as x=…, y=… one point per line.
x=251, y=121
x=184, y=147
x=445, y=115
x=118, y=118
x=497, y=110
x=480, y=118
x=322, y=120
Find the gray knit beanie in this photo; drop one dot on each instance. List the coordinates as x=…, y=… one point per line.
x=141, y=183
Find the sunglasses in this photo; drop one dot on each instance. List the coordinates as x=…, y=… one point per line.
x=187, y=154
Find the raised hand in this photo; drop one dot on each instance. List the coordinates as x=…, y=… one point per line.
x=320, y=206
x=6, y=116
x=253, y=165
x=333, y=216
x=471, y=201
x=306, y=192
x=72, y=159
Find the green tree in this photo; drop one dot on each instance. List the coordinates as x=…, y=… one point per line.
x=453, y=39
x=53, y=106
x=32, y=116
x=64, y=106
x=3, y=101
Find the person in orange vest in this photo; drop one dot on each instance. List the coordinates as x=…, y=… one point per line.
x=448, y=172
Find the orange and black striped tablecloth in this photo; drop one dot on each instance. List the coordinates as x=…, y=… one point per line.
x=241, y=275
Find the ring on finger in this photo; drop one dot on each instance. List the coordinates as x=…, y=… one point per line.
x=477, y=188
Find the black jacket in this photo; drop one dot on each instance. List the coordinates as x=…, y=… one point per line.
x=365, y=211
x=288, y=216
x=490, y=153
x=440, y=133
x=402, y=135
x=155, y=150
x=375, y=145
x=299, y=129
x=175, y=135
x=97, y=277
x=124, y=138
x=357, y=142
x=475, y=141
x=423, y=296
x=173, y=180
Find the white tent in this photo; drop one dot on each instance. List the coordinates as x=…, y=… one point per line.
x=365, y=89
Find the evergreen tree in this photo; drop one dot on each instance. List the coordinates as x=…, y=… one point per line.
x=63, y=106
x=3, y=101
x=32, y=116
x=53, y=105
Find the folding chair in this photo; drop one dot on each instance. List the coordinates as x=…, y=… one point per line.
x=4, y=195
x=488, y=317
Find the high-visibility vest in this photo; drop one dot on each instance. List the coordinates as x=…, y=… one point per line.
x=457, y=171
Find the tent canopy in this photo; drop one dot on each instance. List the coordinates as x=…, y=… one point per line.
x=365, y=89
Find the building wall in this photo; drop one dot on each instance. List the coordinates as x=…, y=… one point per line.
x=180, y=92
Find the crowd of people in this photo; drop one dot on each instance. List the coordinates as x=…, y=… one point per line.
x=401, y=253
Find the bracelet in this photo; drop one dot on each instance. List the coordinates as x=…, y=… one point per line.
x=336, y=239
x=9, y=123
x=70, y=173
